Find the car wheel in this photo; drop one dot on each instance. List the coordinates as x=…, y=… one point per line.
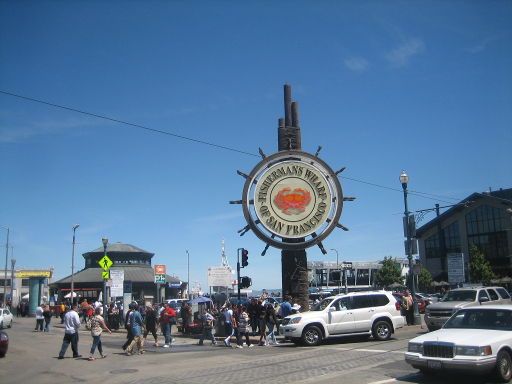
x=2, y=325
x=10, y=325
x=312, y=336
x=504, y=366
x=426, y=372
x=381, y=330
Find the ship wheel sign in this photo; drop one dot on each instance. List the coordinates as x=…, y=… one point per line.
x=292, y=200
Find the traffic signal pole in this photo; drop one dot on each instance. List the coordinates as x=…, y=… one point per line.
x=238, y=272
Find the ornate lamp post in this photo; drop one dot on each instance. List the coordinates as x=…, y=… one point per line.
x=13, y=263
x=73, y=265
x=105, y=243
x=404, y=180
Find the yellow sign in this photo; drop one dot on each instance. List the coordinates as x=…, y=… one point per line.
x=105, y=263
x=27, y=274
x=105, y=275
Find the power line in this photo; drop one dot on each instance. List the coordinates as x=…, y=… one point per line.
x=416, y=193
x=128, y=123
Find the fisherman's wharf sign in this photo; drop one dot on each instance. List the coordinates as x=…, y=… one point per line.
x=292, y=200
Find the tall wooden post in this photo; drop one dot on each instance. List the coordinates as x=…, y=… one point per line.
x=294, y=268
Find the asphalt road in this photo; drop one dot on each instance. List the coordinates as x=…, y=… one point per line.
x=32, y=357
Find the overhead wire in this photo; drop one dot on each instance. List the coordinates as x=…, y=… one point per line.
x=76, y=110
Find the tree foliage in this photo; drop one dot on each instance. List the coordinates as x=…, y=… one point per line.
x=479, y=267
x=389, y=273
x=424, y=279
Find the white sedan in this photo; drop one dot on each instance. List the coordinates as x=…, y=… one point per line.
x=6, y=318
x=473, y=340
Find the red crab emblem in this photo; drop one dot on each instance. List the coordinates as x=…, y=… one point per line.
x=292, y=202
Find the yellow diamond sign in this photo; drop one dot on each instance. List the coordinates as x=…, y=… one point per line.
x=105, y=275
x=105, y=263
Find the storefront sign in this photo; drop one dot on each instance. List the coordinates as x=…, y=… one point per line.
x=33, y=273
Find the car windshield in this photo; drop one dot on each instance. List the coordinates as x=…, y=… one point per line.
x=467, y=295
x=494, y=319
x=321, y=305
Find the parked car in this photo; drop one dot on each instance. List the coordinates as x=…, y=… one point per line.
x=438, y=313
x=6, y=318
x=473, y=340
x=4, y=343
x=374, y=313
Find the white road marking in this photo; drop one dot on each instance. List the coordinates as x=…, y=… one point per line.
x=383, y=381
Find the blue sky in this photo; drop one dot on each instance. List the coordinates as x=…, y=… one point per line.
x=382, y=86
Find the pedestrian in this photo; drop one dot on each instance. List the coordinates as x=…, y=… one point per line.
x=252, y=311
x=47, y=315
x=407, y=305
x=150, y=321
x=71, y=326
x=262, y=323
x=83, y=308
x=270, y=319
x=186, y=317
x=97, y=327
x=62, y=311
x=39, y=318
x=166, y=317
x=127, y=326
x=243, y=328
x=285, y=309
x=113, y=317
x=207, y=321
x=136, y=327
x=228, y=324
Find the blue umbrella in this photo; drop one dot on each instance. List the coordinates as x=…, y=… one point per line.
x=200, y=299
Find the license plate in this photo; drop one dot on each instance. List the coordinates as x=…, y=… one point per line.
x=434, y=364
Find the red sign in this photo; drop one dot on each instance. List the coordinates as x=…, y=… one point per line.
x=159, y=269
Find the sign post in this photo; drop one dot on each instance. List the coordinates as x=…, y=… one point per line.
x=456, y=268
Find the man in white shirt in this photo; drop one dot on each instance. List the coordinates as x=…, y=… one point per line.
x=71, y=325
x=39, y=318
x=228, y=324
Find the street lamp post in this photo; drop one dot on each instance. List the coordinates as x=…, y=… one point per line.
x=105, y=243
x=404, y=180
x=338, y=268
x=73, y=266
x=13, y=263
x=5, y=276
x=188, y=275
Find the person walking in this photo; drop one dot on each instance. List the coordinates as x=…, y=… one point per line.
x=127, y=326
x=407, y=305
x=207, y=321
x=270, y=319
x=151, y=322
x=47, y=315
x=39, y=319
x=97, y=327
x=71, y=327
x=228, y=324
x=136, y=327
x=243, y=328
x=165, y=323
x=62, y=312
x=261, y=323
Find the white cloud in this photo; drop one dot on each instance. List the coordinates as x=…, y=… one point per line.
x=400, y=56
x=356, y=64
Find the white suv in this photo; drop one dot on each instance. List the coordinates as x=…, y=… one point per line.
x=374, y=313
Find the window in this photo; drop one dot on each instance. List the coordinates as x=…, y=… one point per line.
x=492, y=294
x=482, y=294
x=452, y=238
x=432, y=247
x=25, y=282
x=503, y=293
x=362, y=301
x=363, y=277
x=378, y=300
x=2, y=282
x=343, y=304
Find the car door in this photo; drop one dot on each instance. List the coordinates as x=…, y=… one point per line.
x=495, y=299
x=340, y=316
x=483, y=294
x=363, y=313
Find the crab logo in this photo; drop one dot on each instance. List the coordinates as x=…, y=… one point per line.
x=292, y=202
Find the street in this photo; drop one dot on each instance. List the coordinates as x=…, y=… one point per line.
x=33, y=356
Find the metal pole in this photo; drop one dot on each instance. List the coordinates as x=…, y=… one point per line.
x=73, y=266
x=338, y=268
x=238, y=272
x=5, y=277
x=417, y=319
x=188, y=274
x=105, y=283
x=13, y=262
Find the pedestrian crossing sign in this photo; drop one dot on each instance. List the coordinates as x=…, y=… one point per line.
x=105, y=263
x=105, y=275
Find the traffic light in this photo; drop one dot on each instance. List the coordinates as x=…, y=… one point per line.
x=245, y=282
x=245, y=257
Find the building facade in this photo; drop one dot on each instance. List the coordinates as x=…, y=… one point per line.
x=483, y=220
x=139, y=280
